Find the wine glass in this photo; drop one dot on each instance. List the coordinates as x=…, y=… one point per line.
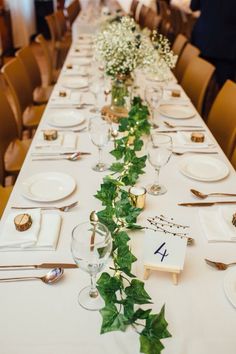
x=159, y=149
x=153, y=95
x=91, y=247
x=100, y=133
x=95, y=88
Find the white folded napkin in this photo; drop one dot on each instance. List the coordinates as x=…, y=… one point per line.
x=42, y=235
x=183, y=140
x=75, y=70
x=64, y=141
x=168, y=98
x=217, y=224
x=87, y=98
x=71, y=98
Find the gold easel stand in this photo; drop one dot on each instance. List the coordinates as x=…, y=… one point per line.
x=113, y=115
x=174, y=272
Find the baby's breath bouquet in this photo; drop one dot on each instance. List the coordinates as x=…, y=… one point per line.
x=164, y=57
x=123, y=48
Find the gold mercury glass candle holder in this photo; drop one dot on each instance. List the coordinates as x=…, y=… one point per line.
x=138, y=196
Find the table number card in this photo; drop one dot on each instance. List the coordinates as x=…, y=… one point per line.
x=164, y=253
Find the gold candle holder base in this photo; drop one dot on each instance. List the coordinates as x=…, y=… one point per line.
x=138, y=196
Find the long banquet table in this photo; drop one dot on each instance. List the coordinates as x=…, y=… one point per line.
x=41, y=319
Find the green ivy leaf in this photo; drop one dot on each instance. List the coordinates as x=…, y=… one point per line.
x=108, y=286
x=137, y=292
x=112, y=320
x=150, y=345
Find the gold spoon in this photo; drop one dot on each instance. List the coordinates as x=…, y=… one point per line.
x=204, y=196
x=219, y=265
x=51, y=277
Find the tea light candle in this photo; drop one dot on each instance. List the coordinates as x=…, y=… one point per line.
x=50, y=134
x=138, y=196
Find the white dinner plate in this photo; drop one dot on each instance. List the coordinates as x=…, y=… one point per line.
x=229, y=285
x=176, y=111
x=203, y=168
x=65, y=118
x=48, y=186
x=74, y=82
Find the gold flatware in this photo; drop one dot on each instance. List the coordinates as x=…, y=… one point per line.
x=73, y=157
x=205, y=204
x=219, y=265
x=63, y=208
x=79, y=153
x=204, y=196
x=180, y=130
x=38, y=266
x=51, y=277
x=181, y=126
x=193, y=152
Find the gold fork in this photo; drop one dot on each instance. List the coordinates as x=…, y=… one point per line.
x=219, y=265
x=179, y=126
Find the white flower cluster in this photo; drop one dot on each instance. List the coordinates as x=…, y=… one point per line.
x=123, y=48
x=165, y=58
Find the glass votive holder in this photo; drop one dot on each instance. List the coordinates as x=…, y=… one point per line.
x=138, y=195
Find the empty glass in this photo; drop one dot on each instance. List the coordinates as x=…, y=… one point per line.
x=159, y=149
x=91, y=247
x=153, y=95
x=95, y=87
x=100, y=133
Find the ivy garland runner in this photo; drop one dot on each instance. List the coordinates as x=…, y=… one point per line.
x=123, y=292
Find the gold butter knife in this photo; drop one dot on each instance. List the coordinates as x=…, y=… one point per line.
x=38, y=266
x=205, y=204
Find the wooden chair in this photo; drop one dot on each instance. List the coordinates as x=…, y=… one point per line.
x=179, y=44
x=12, y=150
x=222, y=118
x=142, y=15
x=5, y=193
x=28, y=115
x=196, y=80
x=133, y=7
x=73, y=10
x=59, y=45
x=187, y=55
x=152, y=20
x=41, y=94
x=233, y=157
x=62, y=29
x=52, y=74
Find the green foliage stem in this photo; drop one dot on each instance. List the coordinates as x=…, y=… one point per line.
x=123, y=293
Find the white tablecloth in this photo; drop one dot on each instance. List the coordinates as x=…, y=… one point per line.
x=42, y=319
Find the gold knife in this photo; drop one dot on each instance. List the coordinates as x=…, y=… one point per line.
x=205, y=204
x=38, y=266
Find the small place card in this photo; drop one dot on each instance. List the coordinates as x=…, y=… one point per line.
x=164, y=252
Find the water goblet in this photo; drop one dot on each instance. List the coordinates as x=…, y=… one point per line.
x=100, y=133
x=91, y=247
x=153, y=95
x=95, y=87
x=159, y=149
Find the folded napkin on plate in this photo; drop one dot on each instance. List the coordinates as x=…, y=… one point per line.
x=72, y=98
x=64, y=141
x=168, y=98
x=183, y=140
x=217, y=224
x=75, y=70
x=42, y=235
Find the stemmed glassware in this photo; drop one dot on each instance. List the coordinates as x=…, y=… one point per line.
x=100, y=133
x=91, y=247
x=95, y=88
x=159, y=149
x=153, y=95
